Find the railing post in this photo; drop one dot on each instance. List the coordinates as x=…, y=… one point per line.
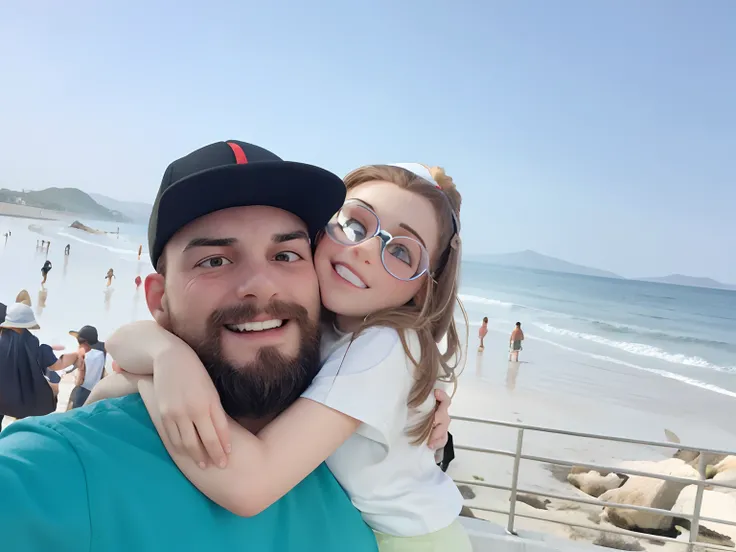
x=695, y=523
x=515, y=482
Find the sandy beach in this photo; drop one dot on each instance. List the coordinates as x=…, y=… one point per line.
x=26, y=212
x=557, y=384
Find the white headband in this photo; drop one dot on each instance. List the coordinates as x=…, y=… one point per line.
x=423, y=172
x=418, y=169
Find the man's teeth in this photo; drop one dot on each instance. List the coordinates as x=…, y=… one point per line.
x=349, y=275
x=255, y=326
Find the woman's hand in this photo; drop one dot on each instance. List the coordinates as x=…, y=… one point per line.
x=438, y=437
x=190, y=407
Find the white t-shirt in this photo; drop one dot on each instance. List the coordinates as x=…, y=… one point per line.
x=398, y=487
x=94, y=365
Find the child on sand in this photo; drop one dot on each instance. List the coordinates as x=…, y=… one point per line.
x=388, y=265
x=482, y=332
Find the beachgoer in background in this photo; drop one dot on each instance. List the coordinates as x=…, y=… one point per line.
x=91, y=369
x=6, y=237
x=67, y=249
x=48, y=244
x=109, y=276
x=482, y=332
x=138, y=282
x=29, y=383
x=140, y=250
x=517, y=336
x=45, y=269
x=370, y=410
x=43, y=243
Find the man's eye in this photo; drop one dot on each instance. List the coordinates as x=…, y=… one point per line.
x=214, y=262
x=287, y=257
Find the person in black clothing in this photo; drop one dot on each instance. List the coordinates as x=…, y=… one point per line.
x=29, y=383
x=45, y=269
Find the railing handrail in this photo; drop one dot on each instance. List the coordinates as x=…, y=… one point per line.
x=701, y=482
x=661, y=444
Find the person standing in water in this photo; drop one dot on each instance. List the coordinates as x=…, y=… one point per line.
x=110, y=275
x=140, y=250
x=517, y=336
x=45, y=269
x=482, y=332
x=67, y=248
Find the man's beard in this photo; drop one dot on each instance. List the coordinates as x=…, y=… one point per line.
x=273, y=381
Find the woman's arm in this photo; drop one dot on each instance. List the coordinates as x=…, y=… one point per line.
x=263, y=468
x=137, y=345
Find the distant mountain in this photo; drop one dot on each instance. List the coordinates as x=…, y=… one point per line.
x=134, y=210
x=693, y=281
x=66, y=200
x=537, y=261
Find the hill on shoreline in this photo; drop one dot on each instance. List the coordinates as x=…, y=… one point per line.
x=134, y=210
x=536, y=261
x=64, y=200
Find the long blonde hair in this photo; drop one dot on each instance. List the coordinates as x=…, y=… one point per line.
x=431, y=313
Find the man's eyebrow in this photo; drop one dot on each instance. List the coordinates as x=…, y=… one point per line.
x=289, y=236
x=410, y=229
x=210, y=242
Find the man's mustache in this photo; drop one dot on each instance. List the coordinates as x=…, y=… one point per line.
x=247, y=311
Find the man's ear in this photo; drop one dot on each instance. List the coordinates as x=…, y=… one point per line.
x=155, y=286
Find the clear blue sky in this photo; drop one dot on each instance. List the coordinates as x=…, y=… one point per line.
x=602, y=132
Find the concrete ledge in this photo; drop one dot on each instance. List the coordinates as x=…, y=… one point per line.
x=490, y=537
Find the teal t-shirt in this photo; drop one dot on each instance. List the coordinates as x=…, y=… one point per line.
x=99, y=478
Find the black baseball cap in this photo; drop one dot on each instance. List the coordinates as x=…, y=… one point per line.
x=86, y=333
x=236, y=174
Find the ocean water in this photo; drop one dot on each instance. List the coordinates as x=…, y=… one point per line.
x=681, y=333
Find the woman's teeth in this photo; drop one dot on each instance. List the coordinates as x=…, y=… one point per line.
x=348, y=275
x=255, y=326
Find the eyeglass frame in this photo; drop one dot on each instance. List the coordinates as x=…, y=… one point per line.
x=386, y=238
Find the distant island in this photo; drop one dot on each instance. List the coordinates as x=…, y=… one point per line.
x=692, y=281
x=536, y=261
x=63, y=200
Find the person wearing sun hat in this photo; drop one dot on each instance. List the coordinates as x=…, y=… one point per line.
x=28, y=379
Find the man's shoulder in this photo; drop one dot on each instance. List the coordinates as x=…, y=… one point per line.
x=118, y=414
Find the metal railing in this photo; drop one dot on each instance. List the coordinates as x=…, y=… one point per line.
x=518, y=455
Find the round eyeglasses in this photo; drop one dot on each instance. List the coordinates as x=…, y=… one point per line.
x=403, y=257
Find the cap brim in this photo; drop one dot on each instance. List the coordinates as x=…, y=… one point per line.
x=311, y=193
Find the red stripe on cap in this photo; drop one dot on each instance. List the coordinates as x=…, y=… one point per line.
x=240, y=157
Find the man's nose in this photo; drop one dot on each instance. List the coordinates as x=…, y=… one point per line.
x=257, y=281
